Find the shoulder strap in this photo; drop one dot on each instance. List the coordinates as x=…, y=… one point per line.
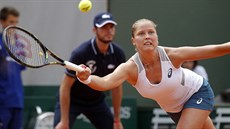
x=137, y=61
x=163, y=55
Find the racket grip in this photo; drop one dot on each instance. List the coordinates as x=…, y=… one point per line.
x=72, y=66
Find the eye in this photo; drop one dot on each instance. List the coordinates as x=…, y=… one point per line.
x=141, y=33
x=151, y=32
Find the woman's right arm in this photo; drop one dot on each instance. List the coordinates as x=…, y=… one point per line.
x=125, y=71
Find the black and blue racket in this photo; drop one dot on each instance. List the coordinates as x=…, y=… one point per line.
x=29, y=51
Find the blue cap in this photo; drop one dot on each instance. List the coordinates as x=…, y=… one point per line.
x=102, y=19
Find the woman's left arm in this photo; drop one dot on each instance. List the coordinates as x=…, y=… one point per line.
x=189, y=53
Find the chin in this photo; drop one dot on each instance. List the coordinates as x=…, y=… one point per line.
x=148, y=49
x=108, y=41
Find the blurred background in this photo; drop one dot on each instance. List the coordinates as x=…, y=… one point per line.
x=61, y=26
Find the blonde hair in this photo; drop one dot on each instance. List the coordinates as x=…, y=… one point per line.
x=134, y=26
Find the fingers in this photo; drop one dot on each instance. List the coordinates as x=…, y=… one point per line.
x=83, y=66
x=83, y=75
x=86, y=69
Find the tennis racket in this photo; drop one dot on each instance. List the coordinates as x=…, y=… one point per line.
x=29, y=51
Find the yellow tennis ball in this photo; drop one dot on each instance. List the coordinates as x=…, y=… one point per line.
x=85, y=5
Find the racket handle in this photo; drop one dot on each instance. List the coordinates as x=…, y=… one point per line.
x=72, y=66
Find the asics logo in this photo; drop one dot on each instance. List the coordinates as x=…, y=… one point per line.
x=199, y=100
x=169, y=72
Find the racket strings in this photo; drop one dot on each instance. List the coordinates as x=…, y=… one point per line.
x=25, y=48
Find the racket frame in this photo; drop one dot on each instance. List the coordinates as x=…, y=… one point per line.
x=45, y=49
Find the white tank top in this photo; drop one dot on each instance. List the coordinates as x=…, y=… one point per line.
x=175, y=88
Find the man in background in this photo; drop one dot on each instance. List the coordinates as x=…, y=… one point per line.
x=102, y=55
x=11, y=88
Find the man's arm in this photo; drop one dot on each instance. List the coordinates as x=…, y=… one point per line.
x=65, y=88
x=117, y=94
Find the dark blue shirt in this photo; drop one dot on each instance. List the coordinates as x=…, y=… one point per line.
x=100, y=64
x=11, y=88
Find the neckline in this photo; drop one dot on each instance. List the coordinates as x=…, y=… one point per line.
x=96, y=49
x=142, y=65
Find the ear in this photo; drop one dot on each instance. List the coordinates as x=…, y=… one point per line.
x=132, y=40
x=94, y=30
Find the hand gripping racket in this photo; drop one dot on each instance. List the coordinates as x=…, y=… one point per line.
x=28, y=50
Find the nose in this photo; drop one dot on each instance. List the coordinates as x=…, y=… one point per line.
x=147, y=36
x=110, y=29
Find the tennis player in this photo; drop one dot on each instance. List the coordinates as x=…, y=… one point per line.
x=156, y=73
x=11, y=88
x=102, y=56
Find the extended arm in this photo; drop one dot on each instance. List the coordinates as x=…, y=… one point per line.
x=110, y=81
x=181, y=54
x=125, y=71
